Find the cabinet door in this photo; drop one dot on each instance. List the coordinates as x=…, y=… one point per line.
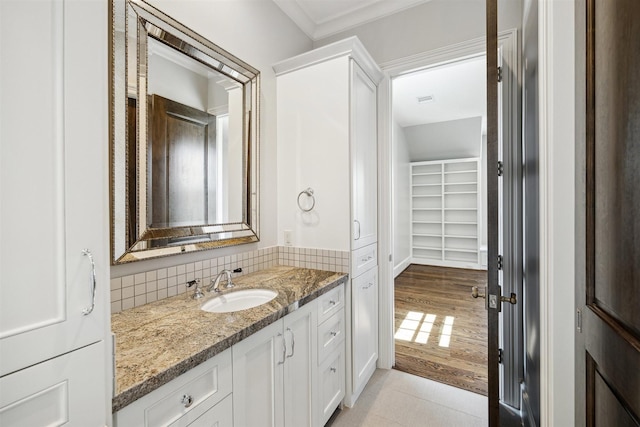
x=60, y=391
x=258, y=378
x=300, y=331
x=364, y=159
x=365, y=328
x=53, y=179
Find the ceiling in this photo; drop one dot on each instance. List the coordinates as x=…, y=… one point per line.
x=322, y=18
x=458, y=91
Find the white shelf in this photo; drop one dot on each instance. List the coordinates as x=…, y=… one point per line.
x=429, y=248
x=466, y=251
x=457, y=172
x=428, y=173
x=436, y=240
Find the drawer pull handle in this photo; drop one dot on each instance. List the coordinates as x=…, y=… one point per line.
x=284, y=349
x=332, y=302
x=368, y=285
x=187, y=400
x=333, y=333
x=88, y=310
x=333, y=370
x=293, y=343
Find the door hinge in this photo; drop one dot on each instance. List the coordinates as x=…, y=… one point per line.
x=500, y=168
x=499, y=74
x=579, y=320
x=500, y=262
x=499, y=355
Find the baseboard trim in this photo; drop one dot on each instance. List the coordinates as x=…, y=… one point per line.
x=401, y=266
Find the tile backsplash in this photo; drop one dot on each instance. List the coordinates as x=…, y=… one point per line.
x=142, y=288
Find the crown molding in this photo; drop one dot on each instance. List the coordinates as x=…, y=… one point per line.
x=342, y=21
x=351, y=47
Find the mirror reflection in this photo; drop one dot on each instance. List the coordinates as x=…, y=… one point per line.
x=184, y=172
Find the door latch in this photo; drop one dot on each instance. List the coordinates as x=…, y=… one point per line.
x=492, y=301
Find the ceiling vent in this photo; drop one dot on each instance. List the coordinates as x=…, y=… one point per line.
x=425, y=99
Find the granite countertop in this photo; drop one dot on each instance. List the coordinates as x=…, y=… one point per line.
x=158, y=342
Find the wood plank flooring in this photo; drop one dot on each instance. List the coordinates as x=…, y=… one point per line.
x=432, y=303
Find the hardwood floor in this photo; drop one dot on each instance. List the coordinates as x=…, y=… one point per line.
x=433, y=305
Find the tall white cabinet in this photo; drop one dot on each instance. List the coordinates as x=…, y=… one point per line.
x=327, y=140
x=446, y=213
x=54, y=213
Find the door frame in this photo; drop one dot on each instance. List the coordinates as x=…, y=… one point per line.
x=508, y=40
x=559, y=73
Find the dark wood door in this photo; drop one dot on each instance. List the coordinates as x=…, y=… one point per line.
x=493, y=289
x=612, y=316
x=182, y=158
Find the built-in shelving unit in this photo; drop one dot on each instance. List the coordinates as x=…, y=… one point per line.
x=445, y=213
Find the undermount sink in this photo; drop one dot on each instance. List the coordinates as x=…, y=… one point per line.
x=239, y=300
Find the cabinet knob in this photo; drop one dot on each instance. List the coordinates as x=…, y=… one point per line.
x=333, y=333
x=187, y=400
x=332, y=369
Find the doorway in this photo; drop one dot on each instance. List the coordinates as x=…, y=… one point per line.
x=511, y=335
x=439, y=222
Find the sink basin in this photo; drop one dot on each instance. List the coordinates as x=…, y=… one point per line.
x=239, y=300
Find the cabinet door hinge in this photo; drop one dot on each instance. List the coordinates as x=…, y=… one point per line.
x=500, y=168
x=500, y=262
x=499, y=74
x=499, y=355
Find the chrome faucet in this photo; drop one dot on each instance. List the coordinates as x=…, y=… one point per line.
x=215, y=283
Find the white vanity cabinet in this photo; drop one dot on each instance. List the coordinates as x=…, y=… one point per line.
x=364, y=292
x=330, y=384
x=327, y=140
x=274, y=371
x=200, y=397
x=364, y=159
x=54, y=186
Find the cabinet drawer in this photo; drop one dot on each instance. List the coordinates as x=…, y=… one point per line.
x=363, y=259
x=66, y=390
x=332, y=381
x=221, y=415
x=330, y=335
x=206, y=385
x=330, y=303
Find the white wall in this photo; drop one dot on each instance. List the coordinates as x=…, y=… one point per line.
x=313, y=132
x=175, y=82
x=401, y=201
x=259, y=33
x=429, y=26
x=454, y=139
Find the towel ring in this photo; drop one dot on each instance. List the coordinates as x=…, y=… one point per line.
x=308, y=192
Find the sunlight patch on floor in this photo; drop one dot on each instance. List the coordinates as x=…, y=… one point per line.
x=416, y=327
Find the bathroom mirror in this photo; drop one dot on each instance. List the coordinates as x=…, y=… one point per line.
x=184, y=139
